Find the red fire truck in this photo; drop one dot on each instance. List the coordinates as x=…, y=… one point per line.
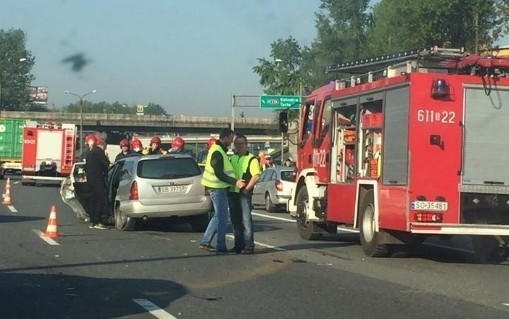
x=414, y=144
x=48, y=152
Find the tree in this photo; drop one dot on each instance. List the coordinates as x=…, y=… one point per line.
x=342, y=27
x=154, y=109
x=16, y=63
x=411, y=24
x=281, y=73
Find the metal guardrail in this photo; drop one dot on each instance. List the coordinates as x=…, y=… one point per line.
x=169, y=119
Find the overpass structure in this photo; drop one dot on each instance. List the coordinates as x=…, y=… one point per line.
x=172, y=124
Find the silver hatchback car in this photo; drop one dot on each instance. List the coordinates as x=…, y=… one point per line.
x=274, y=188
x=158, y=186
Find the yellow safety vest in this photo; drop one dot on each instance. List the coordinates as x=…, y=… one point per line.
x=240, y=166
x=209, y=178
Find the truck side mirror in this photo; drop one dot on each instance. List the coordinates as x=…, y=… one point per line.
x=283, y=122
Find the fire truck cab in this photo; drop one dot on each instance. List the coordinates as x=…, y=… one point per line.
x=412, y=145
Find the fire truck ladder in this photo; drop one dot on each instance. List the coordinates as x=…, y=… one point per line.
x=69, y=136
x=434, y=57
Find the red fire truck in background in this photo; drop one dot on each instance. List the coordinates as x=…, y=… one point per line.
x=414, y=144
x=48, y=152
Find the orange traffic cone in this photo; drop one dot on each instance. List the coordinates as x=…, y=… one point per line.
x=51, y=230
x=7, y=194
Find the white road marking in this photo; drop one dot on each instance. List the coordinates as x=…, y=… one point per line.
x=506, y=304
x=46, y=239
x=12, y=209
x=232, y=237
x=293, y=221
x=153, y=309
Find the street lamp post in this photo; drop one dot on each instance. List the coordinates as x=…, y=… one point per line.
x=81, y=114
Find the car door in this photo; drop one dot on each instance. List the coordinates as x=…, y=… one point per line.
x=112, y=182
x=262, y=185
x=258, y=190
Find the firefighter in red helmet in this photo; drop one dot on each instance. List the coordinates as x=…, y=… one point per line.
x=136, y=146
x=125, y=150
x=90, y=141
x=211, y=141
x=177, y=145
x=202, y=155
x=154, y=147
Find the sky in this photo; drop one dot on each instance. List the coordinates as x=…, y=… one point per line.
x=189, y=56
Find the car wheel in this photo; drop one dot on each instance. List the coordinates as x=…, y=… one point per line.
x=123, y=222
x=199, y=223
x=307, y=230
x=370, y=241
x=269, y=206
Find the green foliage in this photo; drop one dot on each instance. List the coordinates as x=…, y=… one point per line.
x=348, y=30
x=281, y=74
x=113, y=108
x=15, y=75
x=408, y=24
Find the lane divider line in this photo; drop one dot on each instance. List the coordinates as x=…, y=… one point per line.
x=349, y=230
x=46, y=239
x=12, y=209
x=153, y=309
x=506, y=304
x=232, y=237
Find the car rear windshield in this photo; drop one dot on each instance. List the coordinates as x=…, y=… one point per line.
x=288, y=176
x=168, y=168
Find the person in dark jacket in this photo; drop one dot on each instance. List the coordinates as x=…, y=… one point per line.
x=154, y=147
x=96, y=169
x=125, y=150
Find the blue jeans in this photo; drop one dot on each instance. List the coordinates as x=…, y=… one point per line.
x=219, y=220
x=242, y=220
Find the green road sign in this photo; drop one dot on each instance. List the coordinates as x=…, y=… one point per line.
x=280, y=101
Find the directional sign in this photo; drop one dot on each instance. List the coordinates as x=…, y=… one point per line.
x=280, y=101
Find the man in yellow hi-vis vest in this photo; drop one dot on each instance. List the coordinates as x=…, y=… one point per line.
x=247, y=168
x=218, y=177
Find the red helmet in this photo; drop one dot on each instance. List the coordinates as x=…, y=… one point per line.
x=211, y=141
x=124, y=142
x=136, y=143
x=91, y=138
x=155, y=139
x=178, y=143
x=100, y=141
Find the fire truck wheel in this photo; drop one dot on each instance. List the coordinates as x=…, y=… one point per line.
x=369, y=236
x=487, y=250
x=123, y=222
x=307, y=231
x=269, y=206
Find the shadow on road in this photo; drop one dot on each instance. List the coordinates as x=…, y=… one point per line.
x=17, y=219
x=65, y=296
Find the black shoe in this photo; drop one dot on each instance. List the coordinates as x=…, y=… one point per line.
x=247, y=251
x=221, y=252
x=208, y=247
x=234, y=251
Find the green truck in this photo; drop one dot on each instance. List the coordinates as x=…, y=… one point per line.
x=11, y=145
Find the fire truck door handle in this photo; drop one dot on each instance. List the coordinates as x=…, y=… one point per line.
x=436, y=140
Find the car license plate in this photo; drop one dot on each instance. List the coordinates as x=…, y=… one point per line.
x=431, y=206
x=173, y=189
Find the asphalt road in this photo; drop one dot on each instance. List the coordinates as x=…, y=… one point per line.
x=158, y=271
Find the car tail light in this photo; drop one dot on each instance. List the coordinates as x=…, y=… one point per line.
x=279, y=185
x=133, y=193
